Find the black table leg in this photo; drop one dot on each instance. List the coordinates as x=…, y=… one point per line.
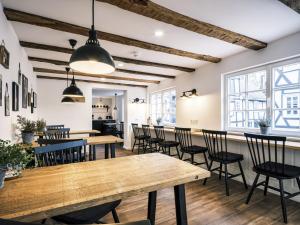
x=106, y=151
x=181, y=215
x=94, y=152
x=152, y=207
x=113, y=150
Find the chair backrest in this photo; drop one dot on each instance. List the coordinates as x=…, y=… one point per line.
x=11, y=222
x=135, y=129
x=43, y=141
x=121, y=127
x=184, y=137
x=58, y=133
x=146, y=130
x=216, y=141
x=266, y=148
x=68, y=152
x=55, y=127
x=160, y=132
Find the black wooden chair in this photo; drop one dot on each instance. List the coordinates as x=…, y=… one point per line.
x=11, y=222
x=139, y=138
x=120, y=130
x=164, y=144
x=70, y=152
x=55, y=127
x=184, y=137
x=216, y=142
x=57, y=133
x=268, y=157
x=151, y=142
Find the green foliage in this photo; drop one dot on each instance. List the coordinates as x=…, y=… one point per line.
x=14, y=154
x=40, y=125
x=25, y=125
x=263, y=122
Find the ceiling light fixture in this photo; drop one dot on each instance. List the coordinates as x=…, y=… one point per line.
x=115, y=108
x=191, y=93
x=120, y=64
x=159, y=33
x=92, y=58
x=139, y=100
x=67, y=100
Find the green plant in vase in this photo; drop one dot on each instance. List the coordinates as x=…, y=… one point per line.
x=264, y=125
x=27, y=129
x=41, y=125
x=158, y=120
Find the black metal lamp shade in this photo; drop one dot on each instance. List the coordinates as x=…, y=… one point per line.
x=67, y=100
x=72, y=90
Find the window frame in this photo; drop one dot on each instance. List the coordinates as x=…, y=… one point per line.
x=161, y=92
x=269, y=96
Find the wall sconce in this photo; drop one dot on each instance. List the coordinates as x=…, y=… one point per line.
x=191, y=93
x=139, y=100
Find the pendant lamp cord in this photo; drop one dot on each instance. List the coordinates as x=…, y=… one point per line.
x=93, y=13
x=67, y=78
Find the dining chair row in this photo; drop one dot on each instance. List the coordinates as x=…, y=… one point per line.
x=267, y=153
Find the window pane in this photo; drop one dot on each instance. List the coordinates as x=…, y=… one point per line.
x=257, y=100
x=237, y=119
x=286, y=75
x=254, y=116
x=236, y=84
x=288, y=121
x=257, y=81
x=237, y=102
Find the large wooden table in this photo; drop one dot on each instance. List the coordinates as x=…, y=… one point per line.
x=49, y=191
x=74, y=132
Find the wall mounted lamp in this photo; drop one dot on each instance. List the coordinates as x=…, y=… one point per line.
x=189, y=94
x=139, y=100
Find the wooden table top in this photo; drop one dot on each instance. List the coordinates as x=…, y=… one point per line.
x=106, y=139
x=51, y=191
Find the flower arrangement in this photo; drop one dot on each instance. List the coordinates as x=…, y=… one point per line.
x=264, y=122
x=25, y=125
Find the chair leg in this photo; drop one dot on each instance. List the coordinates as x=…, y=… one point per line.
x=283, y=206
x=209, y=167
x=178, y=154
x=133, y=144
x=226, y=180
x=266, y=185
x=243, y=175
x=298, y=182
x=115, y=216
x=192, y=158
x=252, y=188
x=205, y=159
x=169, y=149
x=182, y=155
x=220, y=172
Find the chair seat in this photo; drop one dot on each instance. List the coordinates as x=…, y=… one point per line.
x=144, y=222
x=277, y=170
x=194, y=149
x=89, y=215
x=153, y=140
x=141, y=137
x=228, y=157
x=169, y=143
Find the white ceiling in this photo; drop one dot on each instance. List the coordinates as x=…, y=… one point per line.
x=265, y=20
x=100, y=92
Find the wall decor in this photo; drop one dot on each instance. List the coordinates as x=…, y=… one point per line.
x=29, y=99
x=4, y=56
x=0, y=90
x=34, y=96
x=6, y=101
x=19, y=75
x=15, y=96
x=24, y=91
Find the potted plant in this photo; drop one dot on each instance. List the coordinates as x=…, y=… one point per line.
x=41, y=125
x=13, y=157
x=158, y=121
x=264, y=125
x=27, y=128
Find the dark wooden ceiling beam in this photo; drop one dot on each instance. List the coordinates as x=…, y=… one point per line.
x=160, y=13
x=91, y=81
x=22, y=17
x=117, y=58
x=293, y=4
x=64, y=63
x=44, y=70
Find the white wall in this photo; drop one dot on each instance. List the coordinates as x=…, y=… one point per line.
x=17, y=55
x=207, y=80
x=78, y=116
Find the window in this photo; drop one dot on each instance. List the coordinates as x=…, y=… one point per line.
x=163, y=106
x=272, y=91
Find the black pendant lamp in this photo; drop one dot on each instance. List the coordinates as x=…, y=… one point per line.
x=72, y=90
x=92, y=58
x=115, y=108
x=67, y=100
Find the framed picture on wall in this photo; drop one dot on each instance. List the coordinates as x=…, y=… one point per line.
x=29, y=99
x=0, y=90
x=24, y=91
x=4, y=56
x=19, y=75
x=15, y=96
x=34, y=96
x=6, y=101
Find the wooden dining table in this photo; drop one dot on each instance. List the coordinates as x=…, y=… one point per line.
x=49, y=191
x=74, y=132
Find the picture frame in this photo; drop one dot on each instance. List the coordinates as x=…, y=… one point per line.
x=0, y=90
x=15, y=96
x=6, y=102
x=34, y=98
x=4, y=56
x=29, y=99
x=19, y=75
x=24, y=91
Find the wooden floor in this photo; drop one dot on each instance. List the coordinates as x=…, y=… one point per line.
x=208, y=205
